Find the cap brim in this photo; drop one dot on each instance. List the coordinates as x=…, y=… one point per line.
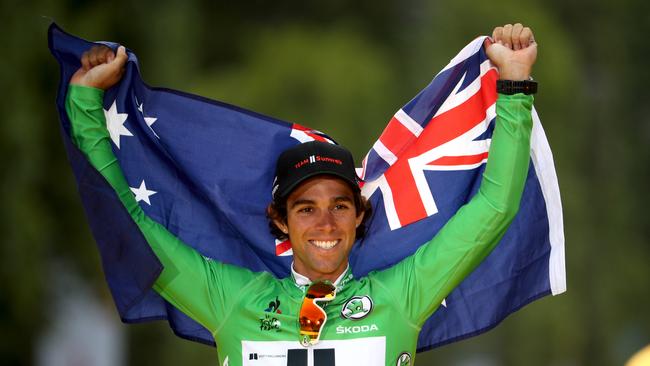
x=287, y=190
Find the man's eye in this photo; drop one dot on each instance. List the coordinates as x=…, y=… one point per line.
x=341, y=207
x=306, y=210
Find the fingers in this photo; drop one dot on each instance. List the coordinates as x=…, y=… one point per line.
x=515, y=36
x=506, y=37
x=526, y=37
x=85, y=64
x=497, y=34
x=102, y=55
x=514, y=51
x=97, y=55
x=101, y=67
x=92, y=57
x=503, y=35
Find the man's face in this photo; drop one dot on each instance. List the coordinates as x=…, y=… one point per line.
x=321, y=223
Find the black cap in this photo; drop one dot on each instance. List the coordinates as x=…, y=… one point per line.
x=309, y=159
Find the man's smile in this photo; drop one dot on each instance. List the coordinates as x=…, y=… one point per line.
x=321, y=223
x=324, y=244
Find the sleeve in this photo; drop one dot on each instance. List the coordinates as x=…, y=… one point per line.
x=201, y=288
x=437, y=267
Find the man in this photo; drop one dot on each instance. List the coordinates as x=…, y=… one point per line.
x=321, y=315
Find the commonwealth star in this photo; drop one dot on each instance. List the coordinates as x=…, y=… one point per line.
x=115, y=124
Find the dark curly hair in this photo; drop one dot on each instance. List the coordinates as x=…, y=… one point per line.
x=277, y=210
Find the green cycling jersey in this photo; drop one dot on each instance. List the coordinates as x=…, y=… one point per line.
x=373, y=320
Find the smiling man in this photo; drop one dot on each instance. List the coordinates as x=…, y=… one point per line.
x=317, y=204
x=322, y=315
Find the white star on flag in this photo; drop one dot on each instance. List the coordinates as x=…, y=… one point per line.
x=148, y=120
x=142, y=193
x=115, y=124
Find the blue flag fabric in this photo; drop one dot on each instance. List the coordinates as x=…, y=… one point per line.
x=204, y=170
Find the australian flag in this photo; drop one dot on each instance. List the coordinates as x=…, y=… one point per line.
x=204, y=170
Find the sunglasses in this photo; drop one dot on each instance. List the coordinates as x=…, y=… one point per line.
x=312, y=317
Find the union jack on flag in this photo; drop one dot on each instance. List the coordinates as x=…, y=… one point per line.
x=428, y=162
x=204, y=169
x=448, y=134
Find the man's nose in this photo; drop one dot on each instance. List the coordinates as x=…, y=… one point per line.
x=326, y=220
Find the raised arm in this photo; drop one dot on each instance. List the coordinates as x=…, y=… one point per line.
x=198, y=287
x=437, y=267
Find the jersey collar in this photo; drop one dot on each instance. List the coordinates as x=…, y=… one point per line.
x=302, y=281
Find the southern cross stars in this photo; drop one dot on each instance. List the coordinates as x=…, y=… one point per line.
x=142, y=193
x=148, y=120
x=115, y=124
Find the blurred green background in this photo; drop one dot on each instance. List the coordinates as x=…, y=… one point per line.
x=343, y=67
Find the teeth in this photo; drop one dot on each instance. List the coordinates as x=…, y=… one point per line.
x=323, y=244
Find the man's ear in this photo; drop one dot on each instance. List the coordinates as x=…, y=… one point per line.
x=362, y=212
x=359, y=218
x=279, y=223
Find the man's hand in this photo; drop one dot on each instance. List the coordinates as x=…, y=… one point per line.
x=100, y=67
x=513, y=50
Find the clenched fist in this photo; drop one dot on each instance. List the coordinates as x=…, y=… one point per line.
x=100, y=67
x=513, y=51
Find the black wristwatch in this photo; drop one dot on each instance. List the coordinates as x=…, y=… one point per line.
x=510, y=87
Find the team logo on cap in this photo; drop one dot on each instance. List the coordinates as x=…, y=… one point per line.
x=311, y=159
x=358, y=307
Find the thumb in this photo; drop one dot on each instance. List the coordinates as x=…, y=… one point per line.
x=497, y=52
x=106, y=75
x=120, y=59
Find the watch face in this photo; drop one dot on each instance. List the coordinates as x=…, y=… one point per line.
x=510, y=87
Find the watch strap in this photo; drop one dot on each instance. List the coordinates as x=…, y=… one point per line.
x=510, y=87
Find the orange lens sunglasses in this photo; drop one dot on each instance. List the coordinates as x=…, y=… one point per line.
x=312, y=317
